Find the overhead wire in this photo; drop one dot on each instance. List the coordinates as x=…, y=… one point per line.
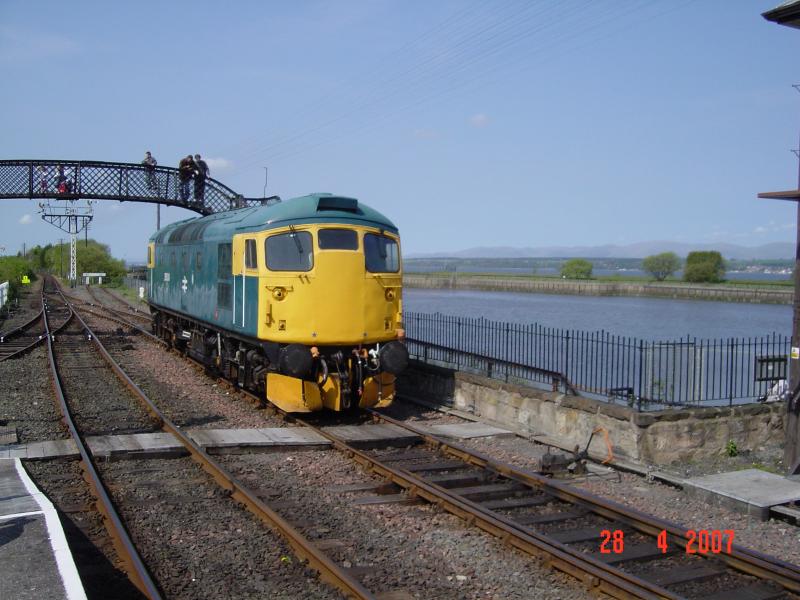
x=378, y=93
x=484, y=53
x=454, y=89
x=586, y=23
x=454, y=20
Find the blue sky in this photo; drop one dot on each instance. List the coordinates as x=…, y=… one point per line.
x=468, y=123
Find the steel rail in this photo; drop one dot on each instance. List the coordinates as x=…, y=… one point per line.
x=595, y=574
x=740, y=558
x=132, y=312
x=135, y=567
x=328, y=570
x=18, y=332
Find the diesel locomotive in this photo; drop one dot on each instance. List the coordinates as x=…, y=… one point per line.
x=300, y=301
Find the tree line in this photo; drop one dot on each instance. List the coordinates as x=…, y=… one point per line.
x=700, y=267
x=91, y=257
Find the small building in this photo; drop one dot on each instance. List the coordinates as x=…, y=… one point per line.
x=87, y=277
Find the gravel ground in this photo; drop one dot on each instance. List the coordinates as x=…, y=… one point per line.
x=198, y=542
x=417, y=414
x=100, y=403
x=100, y=570
x=186, y=396
x=414, y=548
x=28, y=403
x=124, y=300
x=777, y=538
x=29, y=305
x=766, y=458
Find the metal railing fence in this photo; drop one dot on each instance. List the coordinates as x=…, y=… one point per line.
x=645, y=374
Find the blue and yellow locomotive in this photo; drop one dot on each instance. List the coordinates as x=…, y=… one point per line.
x=300, y=300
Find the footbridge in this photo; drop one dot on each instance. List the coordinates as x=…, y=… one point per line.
x=126, y=182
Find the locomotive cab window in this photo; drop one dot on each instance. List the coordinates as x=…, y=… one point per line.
x=381, y=254
x=250, y=258
x=337, y=239
x=291, y=251
x=223, y=261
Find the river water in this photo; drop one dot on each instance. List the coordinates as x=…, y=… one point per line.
x=646, y=318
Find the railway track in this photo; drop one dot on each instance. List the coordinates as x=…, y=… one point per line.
x=18, y=341
x=122, y=309
x=96, y=419
x=612, y=549
x=617, y=550
x=123, y=546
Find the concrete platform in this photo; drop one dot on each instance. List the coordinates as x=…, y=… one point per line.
x=751, y=491
x=219, y=441
x=35, y=560
x=41, y=450
x=466, y=431
x=215, y=441
x=136, y=445
x=380, y=435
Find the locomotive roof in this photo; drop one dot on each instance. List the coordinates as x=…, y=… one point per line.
x=314, y=208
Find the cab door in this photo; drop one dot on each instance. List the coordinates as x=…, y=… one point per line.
x=245, y=267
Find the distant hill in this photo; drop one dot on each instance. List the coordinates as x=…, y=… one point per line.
x=773, y=251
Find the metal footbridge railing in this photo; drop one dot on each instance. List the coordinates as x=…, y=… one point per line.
x=127, y=182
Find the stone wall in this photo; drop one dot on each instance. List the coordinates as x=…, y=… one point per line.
x=718, y=292
x=656, y=438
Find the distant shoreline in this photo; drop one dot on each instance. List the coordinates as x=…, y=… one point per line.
x=719, y=292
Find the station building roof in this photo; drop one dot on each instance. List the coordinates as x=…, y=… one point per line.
x=787, y=13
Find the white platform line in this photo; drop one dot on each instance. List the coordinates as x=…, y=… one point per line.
x=58, y=541
x=20, y=515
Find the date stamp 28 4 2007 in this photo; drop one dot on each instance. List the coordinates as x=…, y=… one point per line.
x=704, y=541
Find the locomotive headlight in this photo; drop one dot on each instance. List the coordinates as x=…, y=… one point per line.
x=390, y=294
x=394, y=357
x=279, y=293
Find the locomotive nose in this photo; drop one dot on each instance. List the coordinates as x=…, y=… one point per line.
x=393, y=357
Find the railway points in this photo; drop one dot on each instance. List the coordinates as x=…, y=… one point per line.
x=507, y=496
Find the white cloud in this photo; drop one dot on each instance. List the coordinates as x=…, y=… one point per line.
x=479, y=120
x=773, y=227
x=25, y=219
x=218, y=164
